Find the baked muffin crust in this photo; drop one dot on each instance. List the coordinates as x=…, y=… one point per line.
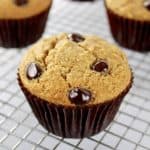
x=9, y=10
x=66, y=64
x=132, y=9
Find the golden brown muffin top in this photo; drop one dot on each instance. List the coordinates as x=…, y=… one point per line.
x=10, y=10
x=64, y=65
x=133, y=9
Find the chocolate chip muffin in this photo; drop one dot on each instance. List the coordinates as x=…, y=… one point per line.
x=22, y=22
x=130, y=23
x=74, y=84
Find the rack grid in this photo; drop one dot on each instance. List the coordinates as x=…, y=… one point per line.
x=130, y=129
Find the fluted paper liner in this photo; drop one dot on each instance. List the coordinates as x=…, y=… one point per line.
x=22, y=32
x=73, y=122
x=129, y=33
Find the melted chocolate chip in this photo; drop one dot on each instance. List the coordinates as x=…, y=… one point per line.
x=79, y=96
x=100, y=66
x=147, y=4
x=76, y=37
x=33, y=71
x=20, y=2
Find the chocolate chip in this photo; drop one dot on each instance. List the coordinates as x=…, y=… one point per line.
x=79, y=96
x=33, y=71
x=20, y=2
x=100, y=66
x=147, y=4
x=75, y=37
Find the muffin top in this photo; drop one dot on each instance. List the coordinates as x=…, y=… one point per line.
x=18, y=9
x=132, y=9
x=70, y=69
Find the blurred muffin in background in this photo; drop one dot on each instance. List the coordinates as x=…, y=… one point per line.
x=130, y=22
x=22, y=22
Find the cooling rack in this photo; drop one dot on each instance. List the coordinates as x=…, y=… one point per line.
x=19, y=128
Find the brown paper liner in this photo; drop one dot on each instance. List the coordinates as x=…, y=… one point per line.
x=73, y=121
x=132, y=34
x=22, y=32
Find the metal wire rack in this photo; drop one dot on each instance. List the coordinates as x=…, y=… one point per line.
x=131, y=128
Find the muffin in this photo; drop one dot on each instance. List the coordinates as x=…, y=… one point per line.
x=74, y=83
x=22, y=22
x=130, y=23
